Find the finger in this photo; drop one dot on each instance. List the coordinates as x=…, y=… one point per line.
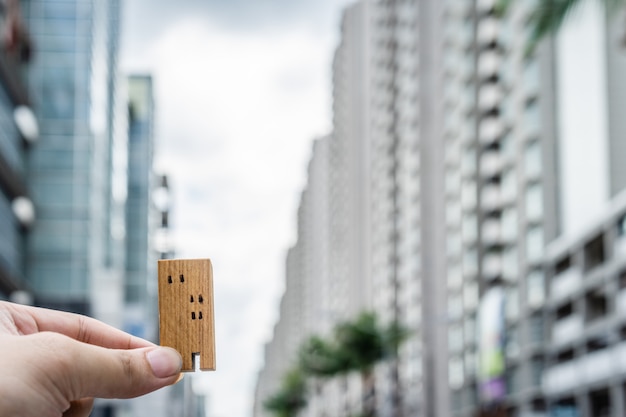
x=31, y=320
x=80, y=408
x=93, y=371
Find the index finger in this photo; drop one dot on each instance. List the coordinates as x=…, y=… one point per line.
x=85, y=329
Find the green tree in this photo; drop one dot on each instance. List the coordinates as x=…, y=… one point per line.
x=357, y=345
x=548, y=16
x=291, y=397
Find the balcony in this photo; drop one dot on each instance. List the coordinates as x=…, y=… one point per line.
x=488, y=64
x=492, y=232
x=591, y=368
x=489, y=96
x=567, y=329
x=491, y=197
x=490, y=164
x=489, y=130
x=487, y=31
x=492, y=266
x=565, y=284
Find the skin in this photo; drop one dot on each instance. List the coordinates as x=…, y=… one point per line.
x=54, y=364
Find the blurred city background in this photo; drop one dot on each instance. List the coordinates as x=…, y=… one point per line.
x=413, y=207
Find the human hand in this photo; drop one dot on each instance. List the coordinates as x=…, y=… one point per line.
x=54, y=363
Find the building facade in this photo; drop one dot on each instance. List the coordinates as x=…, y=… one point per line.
x=140, y=259
x=19, y=133
x=458, y=160
x=73, y=79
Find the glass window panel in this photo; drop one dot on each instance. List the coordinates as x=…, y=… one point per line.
x=532, y=118
x=534, y=202
x=455, y=373
x=536, y=288
x=470, y=295
x=468, y=194
x=534, y=244
x=470, y=262
x=512, y=303
x=536, y=329
x=455, y=306
x=470, y=228
x=509, y=184
x=455, y=276
x=471, y=335
x=532, y=159
x=510, y=263
x=509, y=224
x=512, y=344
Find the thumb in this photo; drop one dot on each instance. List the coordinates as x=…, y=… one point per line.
x=94, y=371
x=109, y=373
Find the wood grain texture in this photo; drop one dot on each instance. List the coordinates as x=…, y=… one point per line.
x=186, y=321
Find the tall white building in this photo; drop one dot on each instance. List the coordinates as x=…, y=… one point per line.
x=307, y=303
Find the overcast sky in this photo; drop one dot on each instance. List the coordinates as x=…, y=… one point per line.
x=242, y=89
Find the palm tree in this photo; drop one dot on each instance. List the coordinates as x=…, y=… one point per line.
x=321, y=358
x=291, y=397
x=357, y=345
x=549, y=15
x=366, y=343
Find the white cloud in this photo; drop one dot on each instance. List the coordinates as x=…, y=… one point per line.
x=236, y=115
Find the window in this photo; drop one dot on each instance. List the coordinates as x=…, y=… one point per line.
x=509, y=224
x=471, y=362
x=532, y=159
x=512, y=344
x=532, y=119
x=531, y=76
x=468, y=163
x=536, y=329
x=455, y=373
x=455, y=276
x=534, y=244
x=470, y=295
x=597, y=305
x=470, y=228
x=471, y=334
x=455, y=306
x=509, y=263
x=534, y=202
x=470, y=262
x=512, y=303
x=455, y=338
x=594, y=253
x=468, y=194
x=536, y=288
x=509, y=185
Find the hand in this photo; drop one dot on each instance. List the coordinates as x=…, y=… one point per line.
x=54, y=363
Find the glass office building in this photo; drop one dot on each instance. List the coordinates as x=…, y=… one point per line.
x=141, y=216
x=19, y=131
x=73, y=81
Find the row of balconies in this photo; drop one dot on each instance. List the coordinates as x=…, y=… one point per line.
x=591, y=368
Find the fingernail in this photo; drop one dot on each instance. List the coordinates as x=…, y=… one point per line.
x=164, y=362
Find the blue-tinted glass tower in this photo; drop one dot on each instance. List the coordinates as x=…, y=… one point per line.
x=73, y=81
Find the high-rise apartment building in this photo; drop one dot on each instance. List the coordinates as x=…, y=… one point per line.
x=495, y=211
x=457, y=157
x=372, y=246
x=538, y=163
x=307, y=306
